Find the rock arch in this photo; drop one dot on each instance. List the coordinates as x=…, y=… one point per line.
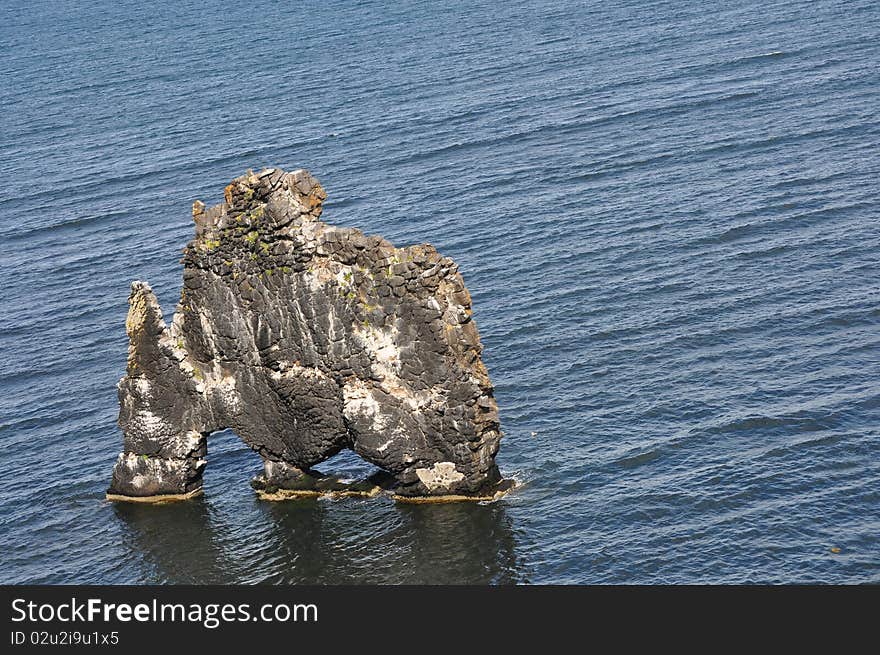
x=305, y=339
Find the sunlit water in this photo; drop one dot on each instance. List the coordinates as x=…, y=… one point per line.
x=667, y=216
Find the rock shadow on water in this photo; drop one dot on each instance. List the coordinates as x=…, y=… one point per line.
x=177, y=541
x=354, y=541
x=323, y=541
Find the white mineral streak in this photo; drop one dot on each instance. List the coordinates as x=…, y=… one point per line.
x=382, y=344
x=296, y=370
x=310, y=230
x=441, y=476
x=143, y=386
x=308, y=342
x=224, y=386
x=358, y=401
x=150, y=423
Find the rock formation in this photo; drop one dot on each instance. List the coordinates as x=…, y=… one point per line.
x=306, y=339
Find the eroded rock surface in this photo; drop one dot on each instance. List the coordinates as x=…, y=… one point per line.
x=306, y=339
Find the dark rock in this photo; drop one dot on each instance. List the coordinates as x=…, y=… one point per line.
x=306, y=339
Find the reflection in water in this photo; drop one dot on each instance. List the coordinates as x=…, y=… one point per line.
x=461, y=543
x=380, y=542
x=367, y=541
x=229, y=536
x=176, y=540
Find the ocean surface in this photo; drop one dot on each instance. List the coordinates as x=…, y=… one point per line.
x=667, y=215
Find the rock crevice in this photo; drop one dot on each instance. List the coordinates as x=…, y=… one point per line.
x=306, y=339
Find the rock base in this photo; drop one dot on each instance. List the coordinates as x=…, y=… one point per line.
x=488, y=496
x=160, y=498
x=293, y=494
x=335, y=489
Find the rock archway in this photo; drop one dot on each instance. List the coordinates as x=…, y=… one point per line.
x=305, y=339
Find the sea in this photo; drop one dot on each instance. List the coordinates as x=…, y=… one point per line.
x=666, y=213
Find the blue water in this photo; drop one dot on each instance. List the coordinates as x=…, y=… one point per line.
x=667, y=217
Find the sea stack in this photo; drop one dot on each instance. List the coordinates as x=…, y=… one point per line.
x=306, y=339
